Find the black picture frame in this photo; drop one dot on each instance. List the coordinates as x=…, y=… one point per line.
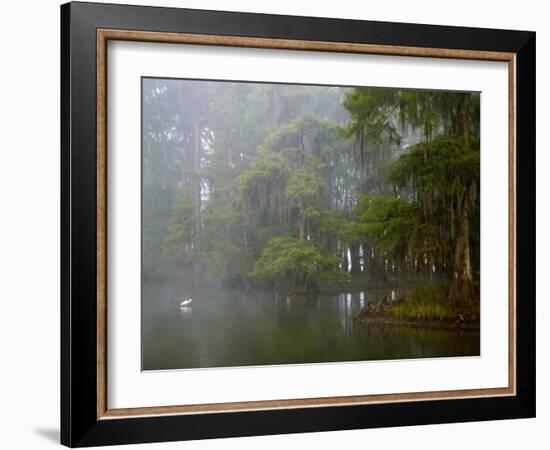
x=80, y=425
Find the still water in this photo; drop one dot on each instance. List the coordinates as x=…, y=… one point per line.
x=225, y=328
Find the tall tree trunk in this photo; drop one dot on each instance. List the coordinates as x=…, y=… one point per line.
x=401, y=280
x=464, y=120
x=367, y=257
x=462, y=295
x=355, y=258
x=362, y=147
x=304, y=286
x=302, y=228
x=246, y=284
x=378, y=270
x=345, y=260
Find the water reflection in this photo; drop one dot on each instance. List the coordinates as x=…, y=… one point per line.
x=186, y=312
x=231, y=329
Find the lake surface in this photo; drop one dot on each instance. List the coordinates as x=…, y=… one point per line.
x=229, y=328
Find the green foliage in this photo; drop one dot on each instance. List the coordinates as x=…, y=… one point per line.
x=303, y=188
x=372, y=123
x=277, y=181
x=154, y=227
x=288, y=256
x=372, y=111
x=426, y=311
x=429, y=293
x=421, y=110
x=333, y=222
x=439, y=173
x=225, y=257
x=440, y=167
x=427, y=302
x=260, y=190
x=286, y=185
x=320, y=132
x=264, y=169
x=387, y=222
x=180, y=243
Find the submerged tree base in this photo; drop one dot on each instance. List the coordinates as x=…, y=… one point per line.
x=426, y=307
x=389, y=316
x=443, y=324
x=305, y=287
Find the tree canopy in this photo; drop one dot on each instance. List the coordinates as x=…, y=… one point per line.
x=255, y=184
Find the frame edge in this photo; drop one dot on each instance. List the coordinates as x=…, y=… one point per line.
x=80, y=430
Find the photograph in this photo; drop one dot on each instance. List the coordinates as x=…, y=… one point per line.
x=299, y=224
x=284, y=221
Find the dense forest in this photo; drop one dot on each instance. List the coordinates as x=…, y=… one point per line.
x=305, y=189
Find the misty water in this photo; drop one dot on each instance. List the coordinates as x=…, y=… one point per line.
x=228, y=328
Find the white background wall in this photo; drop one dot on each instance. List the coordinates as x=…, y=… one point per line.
x=29, y=224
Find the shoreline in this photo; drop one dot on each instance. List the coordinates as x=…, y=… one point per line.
x=448, y=324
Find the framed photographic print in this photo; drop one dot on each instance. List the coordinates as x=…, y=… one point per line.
x=276, y=224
